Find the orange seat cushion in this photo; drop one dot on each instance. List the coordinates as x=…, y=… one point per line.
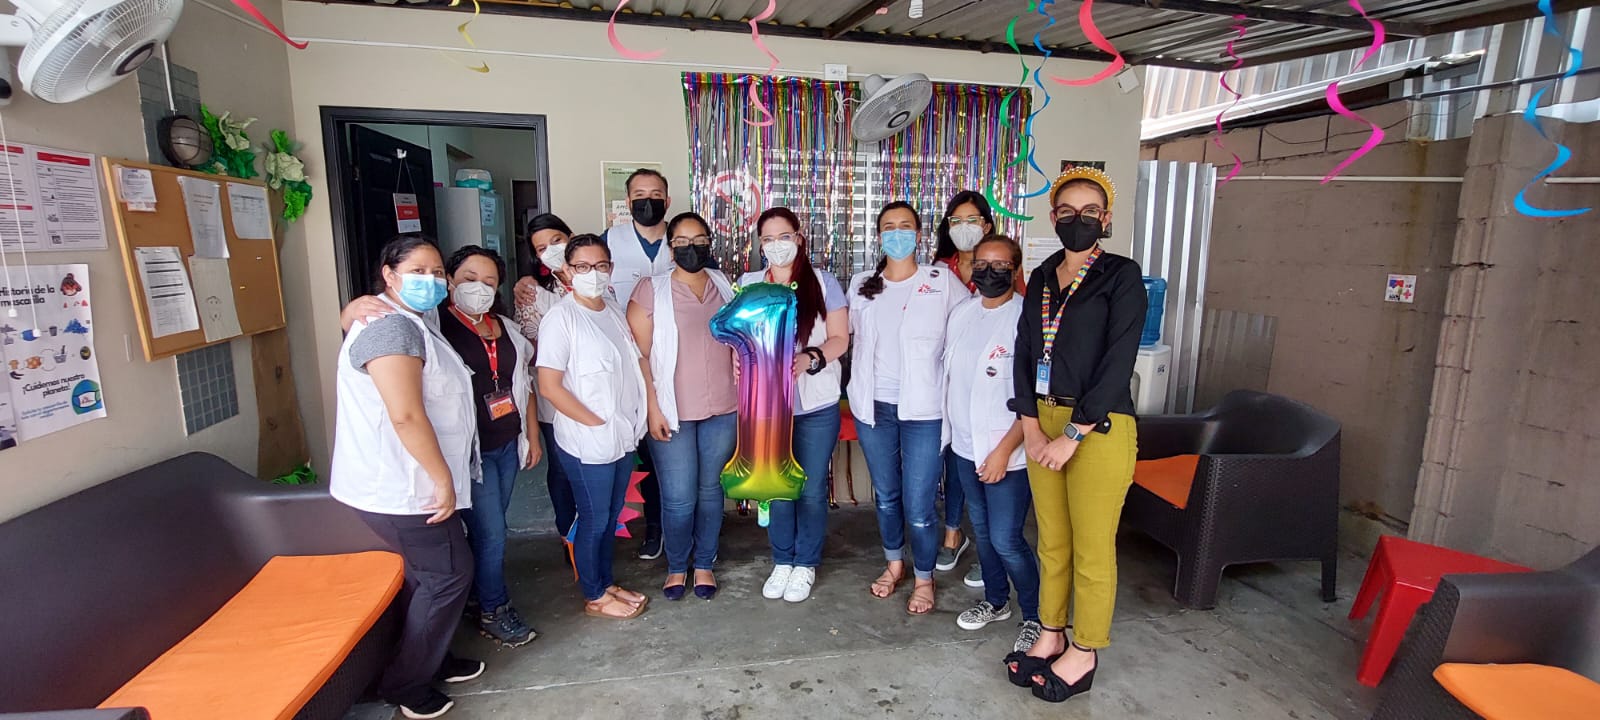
x=1169, y=478
x=273, y=645
x=1521, y=692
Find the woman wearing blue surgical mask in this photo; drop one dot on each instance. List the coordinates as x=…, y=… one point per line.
x=405, y=453
x=508, y=435
x=897, y=314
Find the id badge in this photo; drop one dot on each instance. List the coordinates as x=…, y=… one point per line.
x=500, y=404
x=1041, y=378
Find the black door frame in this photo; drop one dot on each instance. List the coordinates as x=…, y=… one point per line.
x=335, y=123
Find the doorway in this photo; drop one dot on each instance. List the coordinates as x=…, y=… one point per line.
x=462, y=178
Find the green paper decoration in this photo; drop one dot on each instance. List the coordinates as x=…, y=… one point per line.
x=286, y=174
x=230, y=147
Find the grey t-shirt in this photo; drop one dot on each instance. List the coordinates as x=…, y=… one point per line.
x=388, y=335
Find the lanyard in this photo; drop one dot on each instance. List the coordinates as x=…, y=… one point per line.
x=1052, y=324
x=491, y=346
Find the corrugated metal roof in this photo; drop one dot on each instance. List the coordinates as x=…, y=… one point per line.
x=1181, y=33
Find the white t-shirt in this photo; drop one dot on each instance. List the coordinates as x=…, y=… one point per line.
x=966, y=351
x=556, y=348
x=891, y=309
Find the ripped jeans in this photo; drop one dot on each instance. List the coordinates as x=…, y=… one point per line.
x=904, y=459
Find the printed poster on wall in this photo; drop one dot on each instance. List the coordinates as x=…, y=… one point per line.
x=53, y=196
x=614, y=189
x=52, y=375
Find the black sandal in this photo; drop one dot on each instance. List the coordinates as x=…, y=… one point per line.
x=1057, y=690
x=1027, y=667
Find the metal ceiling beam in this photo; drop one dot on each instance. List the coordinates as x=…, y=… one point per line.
x=1395, y=28
x=854, y=18
x=1520, y=11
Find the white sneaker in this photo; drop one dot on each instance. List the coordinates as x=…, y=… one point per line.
x=800, y=582
x=777, y=583
x=982, y=614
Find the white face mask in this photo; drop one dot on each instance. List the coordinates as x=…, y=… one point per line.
x=554, y=256
x=779, y=253
x=591, y=284
x=473, y=297
x=966, y=236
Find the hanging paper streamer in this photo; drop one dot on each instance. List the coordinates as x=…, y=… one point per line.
x=991, y=189
x=759, y=322
x=1374, y=138
x=1530, y=115
x=1098, y=39
x=250, y=9
x=616, y=44
x=481, y=67
x=1039, y=7
x=772, y=66
x=1222, y=79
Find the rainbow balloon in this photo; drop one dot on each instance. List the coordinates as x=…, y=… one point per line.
x=759, y=322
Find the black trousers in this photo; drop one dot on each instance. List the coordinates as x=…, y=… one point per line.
x=438, y=577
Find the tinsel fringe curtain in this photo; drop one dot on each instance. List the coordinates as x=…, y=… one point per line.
x=807, y=161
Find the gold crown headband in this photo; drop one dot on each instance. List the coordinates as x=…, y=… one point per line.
x=1084, y=172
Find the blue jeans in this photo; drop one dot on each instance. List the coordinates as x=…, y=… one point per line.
x=555, y=480
x=998, y=511
x=904, y=458
x=486, y=525
x=796, y=529
x=689, y=468
x=955, y=500
x=597, y=490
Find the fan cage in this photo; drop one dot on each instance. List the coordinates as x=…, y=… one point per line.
x=81, y=59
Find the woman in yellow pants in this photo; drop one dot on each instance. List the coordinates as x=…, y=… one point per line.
x=1076, y=343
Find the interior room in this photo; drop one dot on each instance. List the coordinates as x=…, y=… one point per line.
x=336, y=387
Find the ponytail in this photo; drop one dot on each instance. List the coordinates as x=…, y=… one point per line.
x=874, y=284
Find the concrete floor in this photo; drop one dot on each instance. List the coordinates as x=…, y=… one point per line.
x=1271, y=649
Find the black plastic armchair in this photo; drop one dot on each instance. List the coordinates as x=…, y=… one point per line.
x=1548, y=618
x=1266, y=488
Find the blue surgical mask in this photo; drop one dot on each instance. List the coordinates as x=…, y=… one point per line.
x=422, y=292
x=898, y=244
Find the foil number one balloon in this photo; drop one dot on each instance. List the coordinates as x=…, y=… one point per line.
x=759, y=322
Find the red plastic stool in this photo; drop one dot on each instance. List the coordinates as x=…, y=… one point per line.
x=1410, y=572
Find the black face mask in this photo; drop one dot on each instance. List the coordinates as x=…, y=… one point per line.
x=692, y=258
x=648, y=211
x=1079, y=233
x=992, y=283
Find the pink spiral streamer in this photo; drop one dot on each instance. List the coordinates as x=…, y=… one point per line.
x=1375, y=137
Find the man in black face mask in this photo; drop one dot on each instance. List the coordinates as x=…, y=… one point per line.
x=636, y=249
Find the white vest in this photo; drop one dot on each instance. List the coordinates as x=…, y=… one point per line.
x=991, y=418
x=664, y=341
x=593, y=377
x=629, y=263
x=921, y=344
x=812, y=392
x=371, y=469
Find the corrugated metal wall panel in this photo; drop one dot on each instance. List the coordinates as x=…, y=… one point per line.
x=1172, y=232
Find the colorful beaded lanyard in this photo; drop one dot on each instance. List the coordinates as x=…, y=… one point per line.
x=1052, y=324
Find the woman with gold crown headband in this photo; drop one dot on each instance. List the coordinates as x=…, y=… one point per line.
x=1076, y=343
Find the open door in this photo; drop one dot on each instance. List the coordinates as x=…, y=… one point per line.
x=382, y=168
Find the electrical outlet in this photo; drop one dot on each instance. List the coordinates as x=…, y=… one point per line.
x=1127, y=81
x=836, y=73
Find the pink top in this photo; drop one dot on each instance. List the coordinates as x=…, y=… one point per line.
x=704, y=368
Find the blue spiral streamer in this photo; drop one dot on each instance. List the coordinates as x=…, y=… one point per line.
x=1039, y=7
x=1531, y=116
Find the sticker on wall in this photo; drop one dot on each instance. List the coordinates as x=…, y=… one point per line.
x=1401, y=289
x=407, y=214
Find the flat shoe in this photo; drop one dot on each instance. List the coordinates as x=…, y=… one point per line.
x=674, y=592
x=633, y=611
x=705, y=592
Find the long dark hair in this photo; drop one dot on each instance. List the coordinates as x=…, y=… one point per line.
x=874, y=284
x=457, y=258
x=807, y=289
x=947, y=247
x=395, y=252
x=536, y=267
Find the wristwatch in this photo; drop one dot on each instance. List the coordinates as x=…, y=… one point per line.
x=1071, y=432
x=818, y=360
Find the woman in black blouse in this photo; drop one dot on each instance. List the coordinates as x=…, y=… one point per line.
x=1076, y=343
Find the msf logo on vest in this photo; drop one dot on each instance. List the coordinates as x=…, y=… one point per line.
x=926, y=289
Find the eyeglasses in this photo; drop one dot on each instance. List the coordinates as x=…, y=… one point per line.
x=1092, y=213
x=970, y=220
x=1000, y=265
x=701, y=240
x=784, y=237
x=583, y=268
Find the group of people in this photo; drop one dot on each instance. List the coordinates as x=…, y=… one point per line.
x=1003, y=394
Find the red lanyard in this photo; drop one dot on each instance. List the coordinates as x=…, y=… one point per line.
x=491, y=347
x=1053, y=324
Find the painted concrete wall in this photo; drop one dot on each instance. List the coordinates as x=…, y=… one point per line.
x=1514, y=441
x=239, y=70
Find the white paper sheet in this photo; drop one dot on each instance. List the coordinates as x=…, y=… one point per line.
x=137, y=188
x=53, y=197
x=213, y=294
x=1035, y=250
x=168, y=298
x=200, y=198
x=251, y=214
x=52, y=371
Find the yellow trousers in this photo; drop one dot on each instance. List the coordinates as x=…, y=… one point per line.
x=1078, y=508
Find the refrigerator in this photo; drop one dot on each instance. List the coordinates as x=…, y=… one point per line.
x=469, y=216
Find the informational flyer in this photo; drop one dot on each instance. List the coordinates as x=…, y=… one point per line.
x=136, y=187
x=252, y=219
x=53, y=377
x=53, y=197
x=614, y=189
x=8, y=419
x=1036, y=250
x=200, y=198
x=169, y=301
x=213, y=294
